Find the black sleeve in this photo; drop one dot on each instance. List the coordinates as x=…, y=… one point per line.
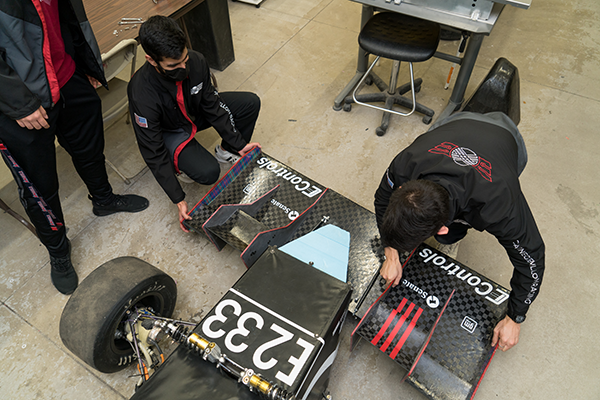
x=382, y=198
x=16, y=100
x=150, y=141
x=519, y=235
x=213, y=109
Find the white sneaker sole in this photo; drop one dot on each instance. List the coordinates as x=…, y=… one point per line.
x=225, y=157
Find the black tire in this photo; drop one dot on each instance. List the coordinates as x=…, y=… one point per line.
x=92, y=315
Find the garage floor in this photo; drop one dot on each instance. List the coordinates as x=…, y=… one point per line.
x=297, y=56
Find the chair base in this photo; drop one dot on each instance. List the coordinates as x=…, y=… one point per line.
x=389, y=100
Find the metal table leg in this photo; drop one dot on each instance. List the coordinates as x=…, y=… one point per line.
x=464, y=74
x=362, y=64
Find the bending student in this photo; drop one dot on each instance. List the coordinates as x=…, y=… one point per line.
x=464, y=173
x=171, y=97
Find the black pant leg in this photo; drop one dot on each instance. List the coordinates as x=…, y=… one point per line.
x=244, y=107
x=199, y=164
x=34, y=151
x=81, y=133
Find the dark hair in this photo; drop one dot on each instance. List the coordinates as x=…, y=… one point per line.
x=417, y=210
x=161, y=38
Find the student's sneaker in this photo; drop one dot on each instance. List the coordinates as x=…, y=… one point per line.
x=182, y=176
x=63, y=275
x=224, y=157
x=120, y=203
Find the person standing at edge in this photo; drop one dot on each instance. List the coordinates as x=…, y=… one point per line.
x=464, y=173
x=50, y=65
x=171, y=97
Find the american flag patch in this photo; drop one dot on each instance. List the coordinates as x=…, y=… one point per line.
x=141, y=121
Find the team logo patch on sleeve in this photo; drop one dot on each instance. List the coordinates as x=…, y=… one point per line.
x=196, y=89
x=141, y=121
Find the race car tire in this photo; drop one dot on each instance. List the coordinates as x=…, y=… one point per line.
x=90, y=320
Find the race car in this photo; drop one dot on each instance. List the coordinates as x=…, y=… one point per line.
x=313, y=258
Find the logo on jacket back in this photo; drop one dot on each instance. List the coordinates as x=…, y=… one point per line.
x=465, y=157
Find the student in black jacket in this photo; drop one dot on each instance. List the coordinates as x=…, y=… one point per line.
x=464, y=173
x=171, y=98
x=50, y=65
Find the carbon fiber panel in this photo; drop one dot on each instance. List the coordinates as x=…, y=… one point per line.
x=296, y=194
x=459, y=350
x=289, y=336
x=446, y=364
x=400, y=323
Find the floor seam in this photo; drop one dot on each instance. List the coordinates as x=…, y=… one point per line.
x=61, y=349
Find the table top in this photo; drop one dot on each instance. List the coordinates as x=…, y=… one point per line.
x=104, y=16
x=451, y=13
x=525, y=4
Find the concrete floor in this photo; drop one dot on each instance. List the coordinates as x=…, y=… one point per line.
x=297, y=56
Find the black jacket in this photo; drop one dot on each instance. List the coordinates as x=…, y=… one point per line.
x=476, y=162
x=166, y=114
x=25, y=81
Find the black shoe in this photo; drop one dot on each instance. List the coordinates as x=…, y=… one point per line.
x=63, y=275
x=126, y=203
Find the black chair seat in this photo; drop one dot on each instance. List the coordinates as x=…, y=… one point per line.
x=400, y=37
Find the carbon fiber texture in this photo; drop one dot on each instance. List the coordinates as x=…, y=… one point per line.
x=388, y=321
x=459, y=349
x=295, y=194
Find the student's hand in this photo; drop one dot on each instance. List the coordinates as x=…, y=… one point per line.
x=94, y=82
x=249, y=147
x=183, y=214
x=36, y=121
x=506, y=334
x=391, y=270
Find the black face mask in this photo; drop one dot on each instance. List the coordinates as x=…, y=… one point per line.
x=177, y=74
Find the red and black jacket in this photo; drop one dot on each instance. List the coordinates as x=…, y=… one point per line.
x=27, y=76
x=476, y=162
x=166, y=114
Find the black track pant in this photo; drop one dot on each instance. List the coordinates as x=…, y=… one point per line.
x=197, y=162
x=76, y=120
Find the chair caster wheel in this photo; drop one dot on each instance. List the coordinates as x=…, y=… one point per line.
x=380, y=131
x=427, y=119
x=347, y=107
x=368, y=80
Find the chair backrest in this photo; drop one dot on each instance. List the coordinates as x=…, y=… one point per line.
x=114, y=100
x=499, y=91
x=119, y=57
